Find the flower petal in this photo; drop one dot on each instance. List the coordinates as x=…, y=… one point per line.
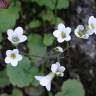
x=48, y=87
x=16, y=51
x=54, y=67
x=7, y=60
x=57, y=33
x=62, y=68
x=60, y=40
x=92, y=20
x=38, y=77
x=61, y=27
x=9, y=32
x=68, y=38
x=14, y=63
x=68, y=30
x=18, y=57
x=60, y=49
x=23, y=38
x=18, y=30
x=8, y=52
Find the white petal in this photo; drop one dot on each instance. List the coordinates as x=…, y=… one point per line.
x=95, y=30
x=16, y=51
x=57, y=33
x=48, y=87
x=10, y=38
x=42, y=79
x=45, y=80
x=61, y=27
x=68, y=38
x=80, y=27
x=14, y=63
x=8, y=52
x=10, y=32
x=60, y=40
x=54, y=67
x=90, y=32
x=18, y=57
x=76, y=33
x=18, y=30
x=92, y=20
x=62, y=68
x=7, y=60
x=23, y=38
x=60, y=49
x=68, y=30
x=38, y=77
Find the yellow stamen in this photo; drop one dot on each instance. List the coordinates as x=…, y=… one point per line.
x=13, y=56
x=63, y=35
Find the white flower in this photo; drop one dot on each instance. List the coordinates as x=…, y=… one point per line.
x=13, y=57
x=62, y=33
x=59, y=49
x=92, y=25
x=81, y=32
x=46, y=80
x=16, y=36
x=57, y=69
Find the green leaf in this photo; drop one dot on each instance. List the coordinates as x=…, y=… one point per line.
x=50, y=17
x=9, y=16
x=4, y=94
x=16, y=92
x=47, y=15
x=72, y=88
x=44, y=3
x=23, y=74
x=34, y=24
x=36, y=47
x=3, y=79
x=61, y=4
x=56, y=20
x=48, y=39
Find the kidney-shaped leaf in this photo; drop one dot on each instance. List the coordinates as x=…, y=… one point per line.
x=72, y=88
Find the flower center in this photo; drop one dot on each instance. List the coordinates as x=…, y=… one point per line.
x=63, y=35
x=13, y=56
x=15, y=39
x=81, y=34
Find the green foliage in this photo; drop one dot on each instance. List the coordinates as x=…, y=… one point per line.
x=4, y=94
x=9, y=16
x=23, y=74
x=36, y=47
x=16, y=92
x=72, y=88
x=62, y=4
x=47, y=15
x=56, y=20
x=48, y=39
x=34, y=24
x=3, y=79
x=52, y=4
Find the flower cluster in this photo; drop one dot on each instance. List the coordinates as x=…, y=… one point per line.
x=15, y=37
x=63, y=33
x=57, y=70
